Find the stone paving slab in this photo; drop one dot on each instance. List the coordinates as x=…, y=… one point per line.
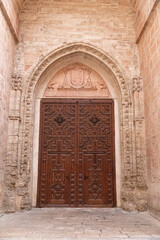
x=119, y=238
x=106, y=238
x=79, y=224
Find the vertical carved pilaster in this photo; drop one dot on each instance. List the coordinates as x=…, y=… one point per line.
x=13, y=145
x=140, y=155
x=128, y=173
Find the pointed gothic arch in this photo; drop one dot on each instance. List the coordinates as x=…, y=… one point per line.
x=34, y=80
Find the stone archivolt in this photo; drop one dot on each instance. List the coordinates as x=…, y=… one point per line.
x=22, y=192
x=78, y=79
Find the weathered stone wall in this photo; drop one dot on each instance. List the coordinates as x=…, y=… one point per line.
x=6, y=64
x=8, y=38
x=48, y=25
x=13, y=8
x=51, y=24
x=149, y=49
x=142, y=10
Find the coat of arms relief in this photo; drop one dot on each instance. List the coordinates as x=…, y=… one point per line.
x=78, y=79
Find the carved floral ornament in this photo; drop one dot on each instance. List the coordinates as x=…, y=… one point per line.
x=77, y=80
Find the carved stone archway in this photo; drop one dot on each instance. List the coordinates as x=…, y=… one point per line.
x=21, y=194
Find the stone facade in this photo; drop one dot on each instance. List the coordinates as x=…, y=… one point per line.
x=7, y=47
x=114, y=39
x=142, y=9
x=53, y=35
x=149, y=49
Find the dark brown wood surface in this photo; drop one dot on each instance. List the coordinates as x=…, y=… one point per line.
x=76, y=154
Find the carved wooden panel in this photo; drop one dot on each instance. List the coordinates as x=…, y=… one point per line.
x=96, y=151
x=57, y=153
x=76, y=161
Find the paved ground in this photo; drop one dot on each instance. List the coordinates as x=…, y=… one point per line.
x=76, y=223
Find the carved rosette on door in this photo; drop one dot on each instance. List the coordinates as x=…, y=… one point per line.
x=76, y=158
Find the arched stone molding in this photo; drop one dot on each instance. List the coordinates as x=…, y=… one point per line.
x=124, y=104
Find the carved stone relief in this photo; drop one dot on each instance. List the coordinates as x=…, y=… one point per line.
x=138, y=114
x=16, y=83
x=77, y=80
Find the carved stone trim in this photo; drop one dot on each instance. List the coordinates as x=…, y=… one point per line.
x=126, y=111
x=137, y=84
x=16, y=83
x=15, y=118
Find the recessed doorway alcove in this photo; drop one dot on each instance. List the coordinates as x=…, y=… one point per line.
x=99, y=77
x=78, y=75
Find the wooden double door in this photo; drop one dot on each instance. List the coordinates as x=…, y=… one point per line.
x=76, y=155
